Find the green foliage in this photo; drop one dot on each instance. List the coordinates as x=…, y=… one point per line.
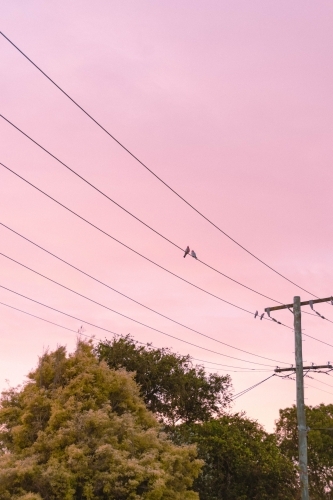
x=242, y=461
x=170, y=385
x=320, y=446
x=80, y=431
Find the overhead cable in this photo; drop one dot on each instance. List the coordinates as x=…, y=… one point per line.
x=320, y=381
x=245, y=368
x=128, y=317
x=100, y=282
x=105, y=329
x=42, y=319
x=153, y=173
x=93, y=337
x=131, y=214
x=124, y=245
x=239, y=394
x=317, y=388
x=222, y=364
x=318, y=340
x=308, y=385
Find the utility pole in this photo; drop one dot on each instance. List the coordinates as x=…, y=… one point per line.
x=301, y=418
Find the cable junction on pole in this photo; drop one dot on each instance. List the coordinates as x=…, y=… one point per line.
x=311, y=367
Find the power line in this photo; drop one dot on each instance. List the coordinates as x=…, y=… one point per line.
x=318, y=316
x=220, y=364
x=317, y=388
x=153, y=173
x=113, y=333
x=93, y=337
x=238, y=395
x=308, y=385
x=128, y=317
x=124, y=245
x=130, y=213
x=237, y=371
x=42, y=319
x=101, y=282
x=245, y=368
x=124, y=295
x=242, y=370
x=83, y=272
x=321, y=382
x=318, y=340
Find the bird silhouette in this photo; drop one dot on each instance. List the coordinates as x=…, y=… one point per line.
x=256, y=314
x=187, y=251
x=193, y=254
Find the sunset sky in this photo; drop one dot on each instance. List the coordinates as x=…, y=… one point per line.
x=230, y=103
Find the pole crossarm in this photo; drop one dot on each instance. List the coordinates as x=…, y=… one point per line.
x=312, y=367
x=306, y=303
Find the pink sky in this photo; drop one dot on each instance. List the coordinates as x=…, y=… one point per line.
x=231, y=104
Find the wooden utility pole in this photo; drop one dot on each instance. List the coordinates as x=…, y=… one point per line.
x=301, y=418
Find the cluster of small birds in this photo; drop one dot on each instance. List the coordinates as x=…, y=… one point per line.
x=268, y=314
x=187, y=251
x=261, y=316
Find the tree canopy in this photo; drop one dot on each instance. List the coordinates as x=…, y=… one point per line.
x=320, y=446
x=78, y=430
x=171, y=385
x=242, y=461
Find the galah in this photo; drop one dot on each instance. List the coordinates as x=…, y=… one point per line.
x=187, y=251
x=256, y=314
x=193, y=254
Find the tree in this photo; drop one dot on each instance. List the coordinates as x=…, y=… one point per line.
x=79, y=431
x=171, y=386
x=242, y=461
x=320, y=446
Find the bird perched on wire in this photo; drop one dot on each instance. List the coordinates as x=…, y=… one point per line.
x=193, y=254
x=187, y=251
x=256, y=314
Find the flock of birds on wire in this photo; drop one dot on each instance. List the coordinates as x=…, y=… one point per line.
x=187, y=251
